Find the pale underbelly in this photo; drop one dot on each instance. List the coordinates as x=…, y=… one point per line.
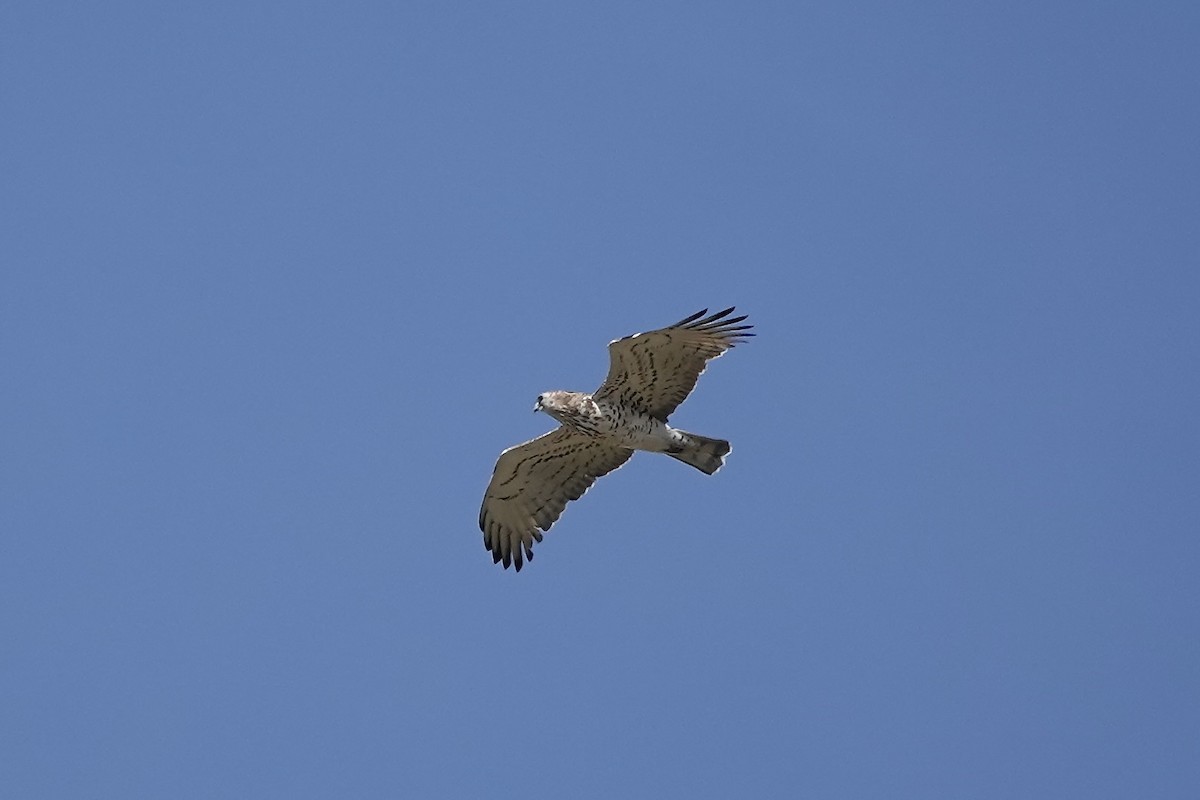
x=641, y=434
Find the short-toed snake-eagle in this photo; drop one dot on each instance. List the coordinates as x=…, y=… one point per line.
x=649, y=375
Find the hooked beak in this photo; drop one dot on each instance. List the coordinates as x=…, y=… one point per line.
x=537, y=406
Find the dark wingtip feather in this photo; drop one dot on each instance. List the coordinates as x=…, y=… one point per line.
x=519, y=562
x=691, y=319
x=709, y=320
x=718, y=325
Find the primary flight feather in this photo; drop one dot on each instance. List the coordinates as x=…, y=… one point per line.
x=649, y=375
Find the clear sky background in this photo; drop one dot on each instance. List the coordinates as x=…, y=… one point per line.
x=281, y=281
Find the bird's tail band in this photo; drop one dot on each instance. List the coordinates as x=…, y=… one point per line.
x=703, y=453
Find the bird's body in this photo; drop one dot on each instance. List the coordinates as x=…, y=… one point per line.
x=649, y=376
x=619, y=425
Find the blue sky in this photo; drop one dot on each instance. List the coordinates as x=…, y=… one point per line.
x=281, y=281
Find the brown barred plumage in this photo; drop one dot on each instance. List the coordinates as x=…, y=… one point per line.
x=649, y=375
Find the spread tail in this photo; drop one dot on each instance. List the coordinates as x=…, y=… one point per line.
x=706, y=455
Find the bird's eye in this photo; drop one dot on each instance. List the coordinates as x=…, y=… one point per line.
x=540, y=396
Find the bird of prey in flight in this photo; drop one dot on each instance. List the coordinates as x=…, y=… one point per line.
x=649, y=375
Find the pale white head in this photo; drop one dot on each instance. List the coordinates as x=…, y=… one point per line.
x=559, y=404
x=548, y=401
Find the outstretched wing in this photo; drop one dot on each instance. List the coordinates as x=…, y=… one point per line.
x=532, y=484
x=654, y=371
